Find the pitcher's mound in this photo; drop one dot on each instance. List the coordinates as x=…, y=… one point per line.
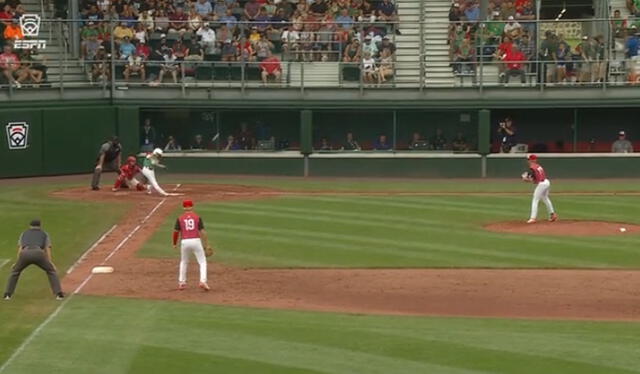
x=565, y=228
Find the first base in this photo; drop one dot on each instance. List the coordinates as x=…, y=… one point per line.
x=102, y=270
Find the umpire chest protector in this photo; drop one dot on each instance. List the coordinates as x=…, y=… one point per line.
x=113, y=152
x=33, y=239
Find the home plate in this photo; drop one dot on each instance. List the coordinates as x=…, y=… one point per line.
x=102, y=270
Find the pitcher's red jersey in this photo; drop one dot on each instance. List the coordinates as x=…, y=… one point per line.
x=189, y=224
x=538, y=174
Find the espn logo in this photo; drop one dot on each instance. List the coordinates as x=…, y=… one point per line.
x=30, y=26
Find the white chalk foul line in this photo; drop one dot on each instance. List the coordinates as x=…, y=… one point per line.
x=4, y=262
x=94, y=246
x=53, y=315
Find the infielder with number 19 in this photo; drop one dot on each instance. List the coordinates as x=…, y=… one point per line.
x=537, y=175
x=190, y=227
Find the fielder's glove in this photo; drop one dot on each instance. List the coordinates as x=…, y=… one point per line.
x=526, y=177
x=208, y=252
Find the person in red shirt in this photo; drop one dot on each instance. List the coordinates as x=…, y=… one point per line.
x=190, y=228
x=127, y=176
x=10, y=66
x=514, y=60
x=178, y=21
x=501, y=53
x=271, y=67
x=143, y=50
x=7, y=14
x=538, y=177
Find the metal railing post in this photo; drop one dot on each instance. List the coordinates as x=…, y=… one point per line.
x=62, y=56
x=242, y=77
x=302, y=77
x=422, y=61
x=183, y=88
x=112, y=66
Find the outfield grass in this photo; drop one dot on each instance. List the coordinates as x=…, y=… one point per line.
x=403, y=231
x=108, y=335
x=73, y=226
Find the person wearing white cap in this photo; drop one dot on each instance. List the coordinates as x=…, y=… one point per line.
x=512, y=28
x=150, y=163
x=622, y=145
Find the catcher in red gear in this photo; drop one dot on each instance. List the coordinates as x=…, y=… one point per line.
x=127, y=176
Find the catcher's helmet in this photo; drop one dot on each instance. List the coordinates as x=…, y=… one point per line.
x=131, y=160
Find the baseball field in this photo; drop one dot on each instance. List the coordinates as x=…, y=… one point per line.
x=328, y=276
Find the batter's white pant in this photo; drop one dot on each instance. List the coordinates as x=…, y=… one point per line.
x=151, y=178
x=541, y=193
x=194, y=246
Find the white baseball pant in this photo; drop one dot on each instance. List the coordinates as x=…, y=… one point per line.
x=151, y=178
x=194, y=246
x=541, y=193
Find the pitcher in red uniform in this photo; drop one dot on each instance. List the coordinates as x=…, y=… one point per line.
x=537, y=175
x=190, y=228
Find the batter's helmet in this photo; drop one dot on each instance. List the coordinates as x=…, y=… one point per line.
x=158, y=151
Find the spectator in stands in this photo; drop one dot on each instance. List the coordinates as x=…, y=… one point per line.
x=618, y=25
x=501, y=53
x=207, y=38
x=126, y=48
x=634, y=7
x=263, y=48
x=220, y=9
x=169, y=65
x=161, y=21
x=369, y=69
x=514, y=60
x=228, y=51
x=455, y=14
x=146, y=20
x=387, y=13
x=507, y=9
x=459, y=143
x=599, y=71
x=344, y=19
x=547, y=53
x=369, y=46
x=13, y=31
x=251, y=10
x=472, y=12
x=204, y=8
x=198, y=143
x=142, y=49
x=121, y=32
x=172, y=145
x=353, y=52
x=387, y=44
x=418, y=142
x=135, y=65
x=527, y=46
x=10, y=66
x=385, y=69
x=147, y=136
x=562, y=57
x=350, y=144
x=382, y=144
x=100, y=69
x=178, y=22
x=180, y=50
x=587, y=56
x=512, y=29
x=622, y=145
x=231, y=145
x=632, y=45
x=271, y=68
x=463, y=57
x=37, y=61
x=246, y=139
x=507, y=135
x=244, y=50
x=439, y=142
x=90, y=46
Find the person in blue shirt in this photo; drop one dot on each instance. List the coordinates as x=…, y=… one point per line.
x=381, y=144
x=126, y=48
x=203, y=8
x=344, y=19
x=472, y=13
x=632, y=45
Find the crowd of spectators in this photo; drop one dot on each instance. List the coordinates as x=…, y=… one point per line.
x=18, y=66
x=626, y=40
x=173, y=35
x=417, y=142
x=506, y=37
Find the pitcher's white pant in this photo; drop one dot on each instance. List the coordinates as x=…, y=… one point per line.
x=541, y=193
x=194, y=246
x=151, y=178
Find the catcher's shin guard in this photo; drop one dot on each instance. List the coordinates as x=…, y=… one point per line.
x=119, y=182
x=141, y=187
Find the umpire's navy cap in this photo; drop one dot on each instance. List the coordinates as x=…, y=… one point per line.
x=35, y=223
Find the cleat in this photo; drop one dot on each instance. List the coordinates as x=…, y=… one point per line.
x=115, y=189
x=7, y=296
x=531, y=220
x=182, y=286
x=60, y=296
x=149, y=190
x=554, y=217
x=95, y=188
x=204, y=286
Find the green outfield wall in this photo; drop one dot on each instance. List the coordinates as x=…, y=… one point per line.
x=63, y=140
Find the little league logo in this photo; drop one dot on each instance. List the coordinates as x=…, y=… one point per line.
x=18, y=135
x=30, y=26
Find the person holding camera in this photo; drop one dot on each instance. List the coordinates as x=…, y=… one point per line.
x=507, y=134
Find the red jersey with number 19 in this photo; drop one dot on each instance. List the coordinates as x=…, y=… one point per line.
x=189, y=224
x=538, y=174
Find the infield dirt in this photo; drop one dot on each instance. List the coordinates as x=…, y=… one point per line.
x=513, y=293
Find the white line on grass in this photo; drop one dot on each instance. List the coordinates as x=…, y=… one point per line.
x=96, y=244
x=3, y=263
x=53, y=315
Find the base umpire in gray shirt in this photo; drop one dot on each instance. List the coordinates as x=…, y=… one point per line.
x=34, y=248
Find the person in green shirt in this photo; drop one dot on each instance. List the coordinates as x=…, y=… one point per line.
x=148, y=170
x=547, y=52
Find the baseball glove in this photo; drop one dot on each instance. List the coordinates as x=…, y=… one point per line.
x=208, y=252
x=526, y=177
